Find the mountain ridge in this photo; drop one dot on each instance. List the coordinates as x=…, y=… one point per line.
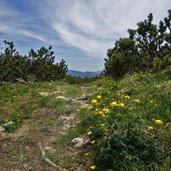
x=82, y=74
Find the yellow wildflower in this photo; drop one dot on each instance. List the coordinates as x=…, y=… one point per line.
x=102, y=125
x=122, y=105
x=127, y=97
x=99, y=97
x=106, y=111
x=94, y=101
x=89, y=133
x=90, y=107
x=150, y=128
x=113, y=104
x=136, y=101
x=151, y=101
x=158, y=122
x=92, y=142
x=93, y=167
x=101, y=113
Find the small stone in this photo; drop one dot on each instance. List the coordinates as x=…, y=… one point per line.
x=78, y=142
x=50, y=149
x=43, y=94
x=63, y=98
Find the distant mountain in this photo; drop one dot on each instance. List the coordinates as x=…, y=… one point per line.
x=83, y=74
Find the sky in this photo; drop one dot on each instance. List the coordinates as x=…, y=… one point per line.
x=80, y=31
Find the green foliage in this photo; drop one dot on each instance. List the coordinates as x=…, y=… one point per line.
x=38, y=65
x=128, y=123
x=146, y=49
x=130, y=148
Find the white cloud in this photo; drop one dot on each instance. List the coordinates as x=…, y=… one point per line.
x=90, y=25
x=32, y=35
x=94, y=25
x=16, y=23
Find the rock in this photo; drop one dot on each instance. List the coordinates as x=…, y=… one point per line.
x=8, y=123
x=68, y=122
x=2, y=129
x=50, y=149
x=78, y=142
x=63, y=98
x=43, y=94
x=68, y=118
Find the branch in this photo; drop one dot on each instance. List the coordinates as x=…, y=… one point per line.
x=47, y=160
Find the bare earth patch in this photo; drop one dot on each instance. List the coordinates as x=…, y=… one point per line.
x=34, y=146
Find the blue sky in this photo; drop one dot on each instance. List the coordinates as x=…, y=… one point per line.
x=80, y=31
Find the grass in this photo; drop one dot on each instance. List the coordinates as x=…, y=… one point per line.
x=134, y=132
x=36, y=118
x=123, y=139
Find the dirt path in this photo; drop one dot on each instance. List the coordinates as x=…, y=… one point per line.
x=35, y=146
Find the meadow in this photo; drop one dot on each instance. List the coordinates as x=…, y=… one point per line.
x=127, y=122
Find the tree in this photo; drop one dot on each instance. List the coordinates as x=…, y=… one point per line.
x=147, y=48
x=39, y=64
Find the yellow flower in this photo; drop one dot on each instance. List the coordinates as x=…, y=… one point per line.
x=94, y=101
x=89, y=133
x=93, y=167
x=127, y=97
x=90, y=107
x=106, y=111
x=150, y=128
x=158, y=122
x=151, y=101
x=113, y=104
x=136, y=101
x=92, y=142
x=99, y=97
x=102, y=125
x=101, y=113
x=122, y=105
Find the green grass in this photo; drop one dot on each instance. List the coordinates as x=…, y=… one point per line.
x=122, y=137
x=36, y=118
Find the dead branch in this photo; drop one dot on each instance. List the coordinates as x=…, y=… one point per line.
x=47, y=160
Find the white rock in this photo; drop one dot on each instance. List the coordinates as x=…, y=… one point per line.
x=44, y=93
x=8, y=123
x=78, y=142
x=62, y=98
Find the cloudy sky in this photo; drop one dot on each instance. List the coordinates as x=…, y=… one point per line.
x=80, y=31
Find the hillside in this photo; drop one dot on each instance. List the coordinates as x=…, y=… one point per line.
x=117, y=117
